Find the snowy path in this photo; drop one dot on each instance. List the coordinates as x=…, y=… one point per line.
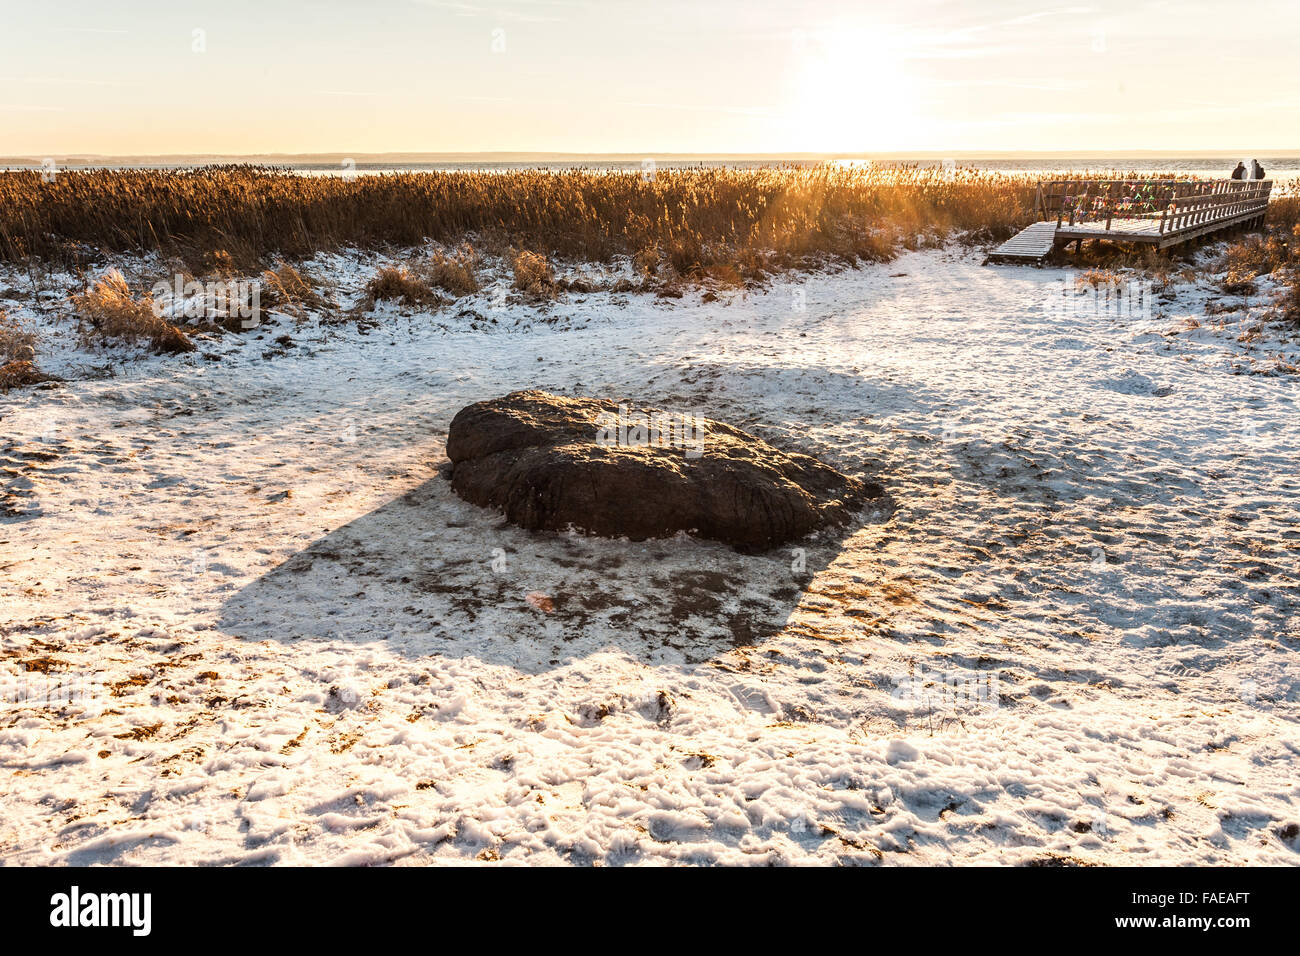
x=303, y=648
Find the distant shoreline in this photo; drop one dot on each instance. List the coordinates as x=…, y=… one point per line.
x=1284, y=170
x=543, y=158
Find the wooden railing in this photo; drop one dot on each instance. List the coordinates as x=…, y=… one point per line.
x=1093, y=200
x=1198, y=204
x=1175, y=205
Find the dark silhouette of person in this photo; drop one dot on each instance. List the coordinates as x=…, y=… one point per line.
x=1239, y=172
x=1256, y=170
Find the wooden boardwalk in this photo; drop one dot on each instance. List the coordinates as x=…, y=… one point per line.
x=1162, y=213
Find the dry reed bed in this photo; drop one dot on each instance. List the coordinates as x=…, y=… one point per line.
x=698, y=220
x=695, y=219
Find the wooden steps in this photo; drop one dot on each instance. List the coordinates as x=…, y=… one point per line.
x=1030, y=244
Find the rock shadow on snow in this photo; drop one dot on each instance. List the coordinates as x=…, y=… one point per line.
x=430, y=574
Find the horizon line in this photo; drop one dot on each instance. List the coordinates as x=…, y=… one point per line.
x=560, y=156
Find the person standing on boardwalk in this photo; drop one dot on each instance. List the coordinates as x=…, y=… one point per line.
x=1239, y=172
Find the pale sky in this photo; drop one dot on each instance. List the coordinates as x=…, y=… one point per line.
x=733, y=76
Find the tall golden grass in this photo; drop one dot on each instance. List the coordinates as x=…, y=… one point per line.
x=696, y=219
x=1275, y=252
x=1284, y=206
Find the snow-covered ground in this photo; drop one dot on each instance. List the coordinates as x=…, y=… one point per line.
x=1072, y=637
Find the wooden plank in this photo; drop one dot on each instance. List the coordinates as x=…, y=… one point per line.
x=1031, y=244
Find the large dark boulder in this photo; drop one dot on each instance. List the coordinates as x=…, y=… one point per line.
x=551, y=463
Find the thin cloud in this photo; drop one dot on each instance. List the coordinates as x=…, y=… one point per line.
x=63, y=81
x=1062, y=11
x=500, y=13
x=694, y=108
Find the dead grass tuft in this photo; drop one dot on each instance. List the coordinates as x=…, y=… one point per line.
x=454, y=273
x=400, y=284
x=1287, y=301
x=1239, y=281
x=533, y=275
x=17, y=343
x=21, y=374
x=1259, y=255
x=108, y=313
x=1276, y=254
x=287, y=290
x=646, y=260
x=220, y=263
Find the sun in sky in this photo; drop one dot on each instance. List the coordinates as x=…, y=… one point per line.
x=848, y=88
